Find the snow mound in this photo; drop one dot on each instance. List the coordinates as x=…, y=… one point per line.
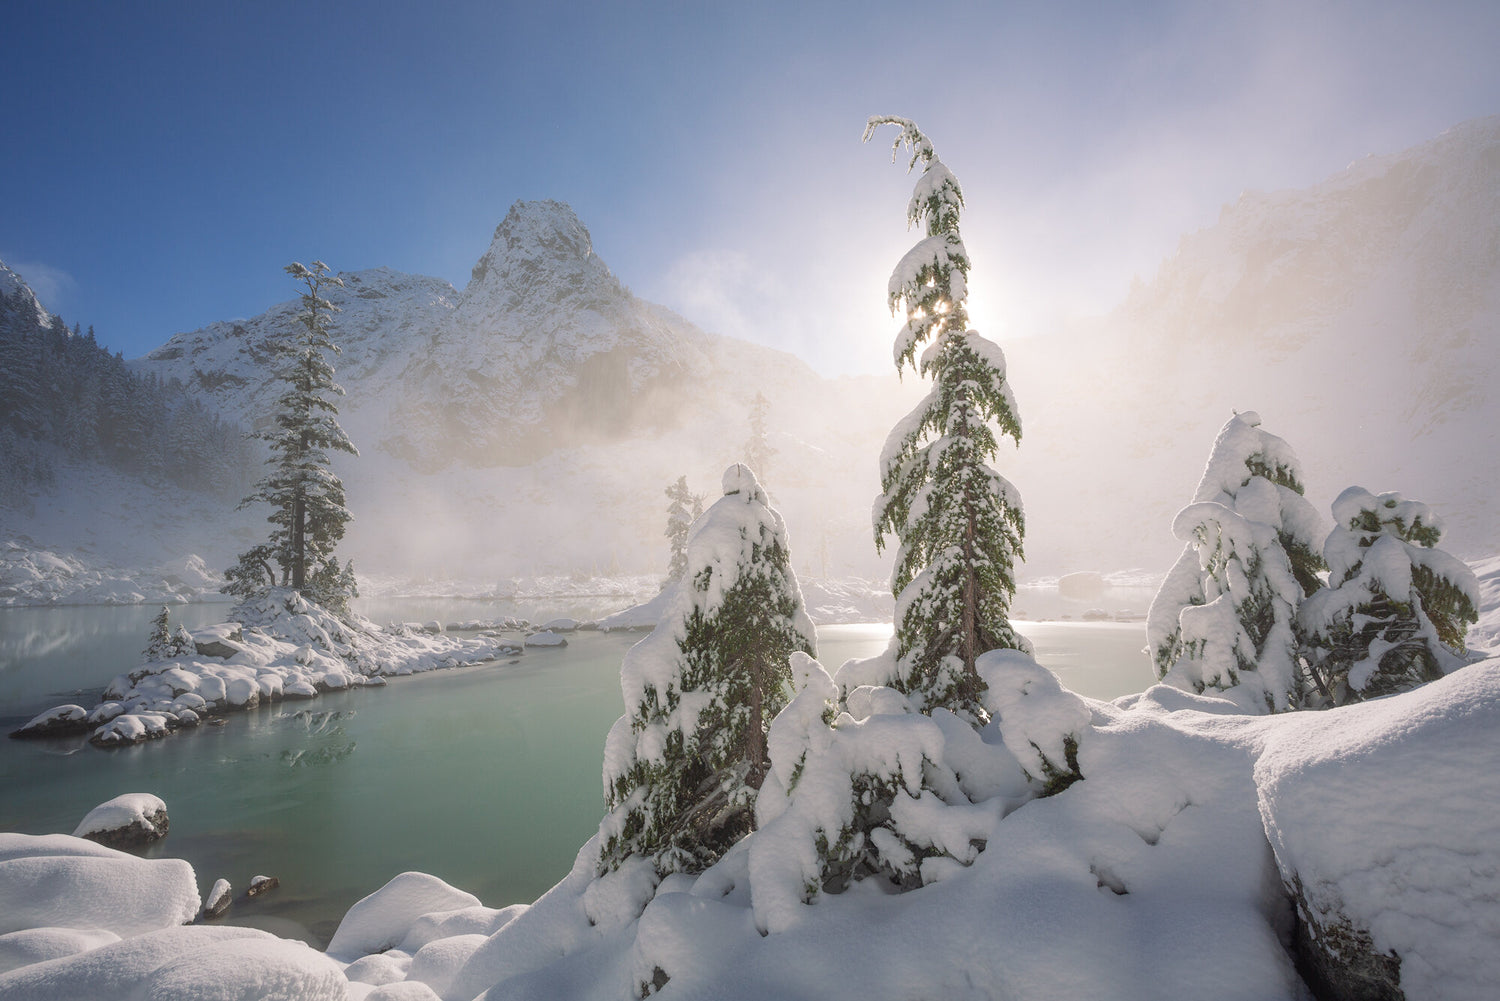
x=139, y=812
x=383, y=919
x=1388, y=818
x=62, y=882
x=195, y=963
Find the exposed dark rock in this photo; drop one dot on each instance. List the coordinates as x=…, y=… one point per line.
x=59, y=721
x=123, y=824
x=262, y=884
x=219, y=899
x=1338, y=960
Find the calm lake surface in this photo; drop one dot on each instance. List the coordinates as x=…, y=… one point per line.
x=488, y=777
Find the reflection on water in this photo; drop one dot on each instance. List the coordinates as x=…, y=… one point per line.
x=488, y=777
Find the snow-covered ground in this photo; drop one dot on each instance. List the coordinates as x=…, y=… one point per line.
x=1162, y=875
x=31, y=575
x=1199, y=849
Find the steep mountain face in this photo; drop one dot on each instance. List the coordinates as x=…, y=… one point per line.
x=1361, y=319
x=530, y=422
x=548, y=396
x=23, y=301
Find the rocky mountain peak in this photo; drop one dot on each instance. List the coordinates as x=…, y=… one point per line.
x=540, y=258
x=22, y=297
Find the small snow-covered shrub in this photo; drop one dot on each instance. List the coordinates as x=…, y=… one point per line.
x=1225, y=615
x=1396, y=609
x=890, y=793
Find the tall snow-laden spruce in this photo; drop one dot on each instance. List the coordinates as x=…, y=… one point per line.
x=308, y=512
x=1225, y=617
x=959, y=523
x=683, y=765
x=1396, y=609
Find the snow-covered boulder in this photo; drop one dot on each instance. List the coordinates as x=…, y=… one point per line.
x=219, y=899
x=56, y=881
x=195, y=963
x=135, y=818
x=1385, y=822
x=58, y=721
x=132, y=728
x=223, y=639
x=383, y=919
x=546, y=638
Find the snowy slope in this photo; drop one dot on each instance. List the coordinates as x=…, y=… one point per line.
x=12, y=285
x=529, y=423
x=1360, y=317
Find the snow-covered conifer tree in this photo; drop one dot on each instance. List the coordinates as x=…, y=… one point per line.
x=165, y=642
x=308, y=512
x=758, y=450
x=1225, y=616
x=1396, y=609
x=159, y=646
x=958, y=522
x=683, y=765
x=681, y=513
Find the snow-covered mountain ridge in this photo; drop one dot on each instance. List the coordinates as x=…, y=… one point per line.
x=1360, y=317
x=546, y=394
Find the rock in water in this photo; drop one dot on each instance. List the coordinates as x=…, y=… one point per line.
x=218, y=900
x=127, y=821
x=262, y=884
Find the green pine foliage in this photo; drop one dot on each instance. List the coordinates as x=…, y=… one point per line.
x=958, y=522
x=684, y=764
x=1396, y=609
x=308, y=512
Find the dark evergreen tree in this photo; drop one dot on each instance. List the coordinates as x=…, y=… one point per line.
x=307, y=501
x=958, y=522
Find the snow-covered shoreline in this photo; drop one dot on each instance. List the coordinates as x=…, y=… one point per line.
x=278, y=647
x=1174, y=870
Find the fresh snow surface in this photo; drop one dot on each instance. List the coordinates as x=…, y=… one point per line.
x=1391, y=816
x=122, y=811
x=31, y=575
x=64, y=882
x=1159, y=876
x=1152, y=878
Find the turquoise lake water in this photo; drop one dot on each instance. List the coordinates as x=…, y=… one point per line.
x=488, y=777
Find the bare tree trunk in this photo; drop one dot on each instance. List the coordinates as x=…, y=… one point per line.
x=755, y=744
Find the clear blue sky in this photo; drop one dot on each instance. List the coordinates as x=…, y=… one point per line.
x=163, y=161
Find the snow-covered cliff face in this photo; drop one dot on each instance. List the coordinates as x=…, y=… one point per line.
x=1360, y=317
x=13, y=285
x=548, y=396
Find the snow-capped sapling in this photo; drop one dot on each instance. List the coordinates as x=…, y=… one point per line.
x=1225, y=616
x=1396, y=609
x=683, y=765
